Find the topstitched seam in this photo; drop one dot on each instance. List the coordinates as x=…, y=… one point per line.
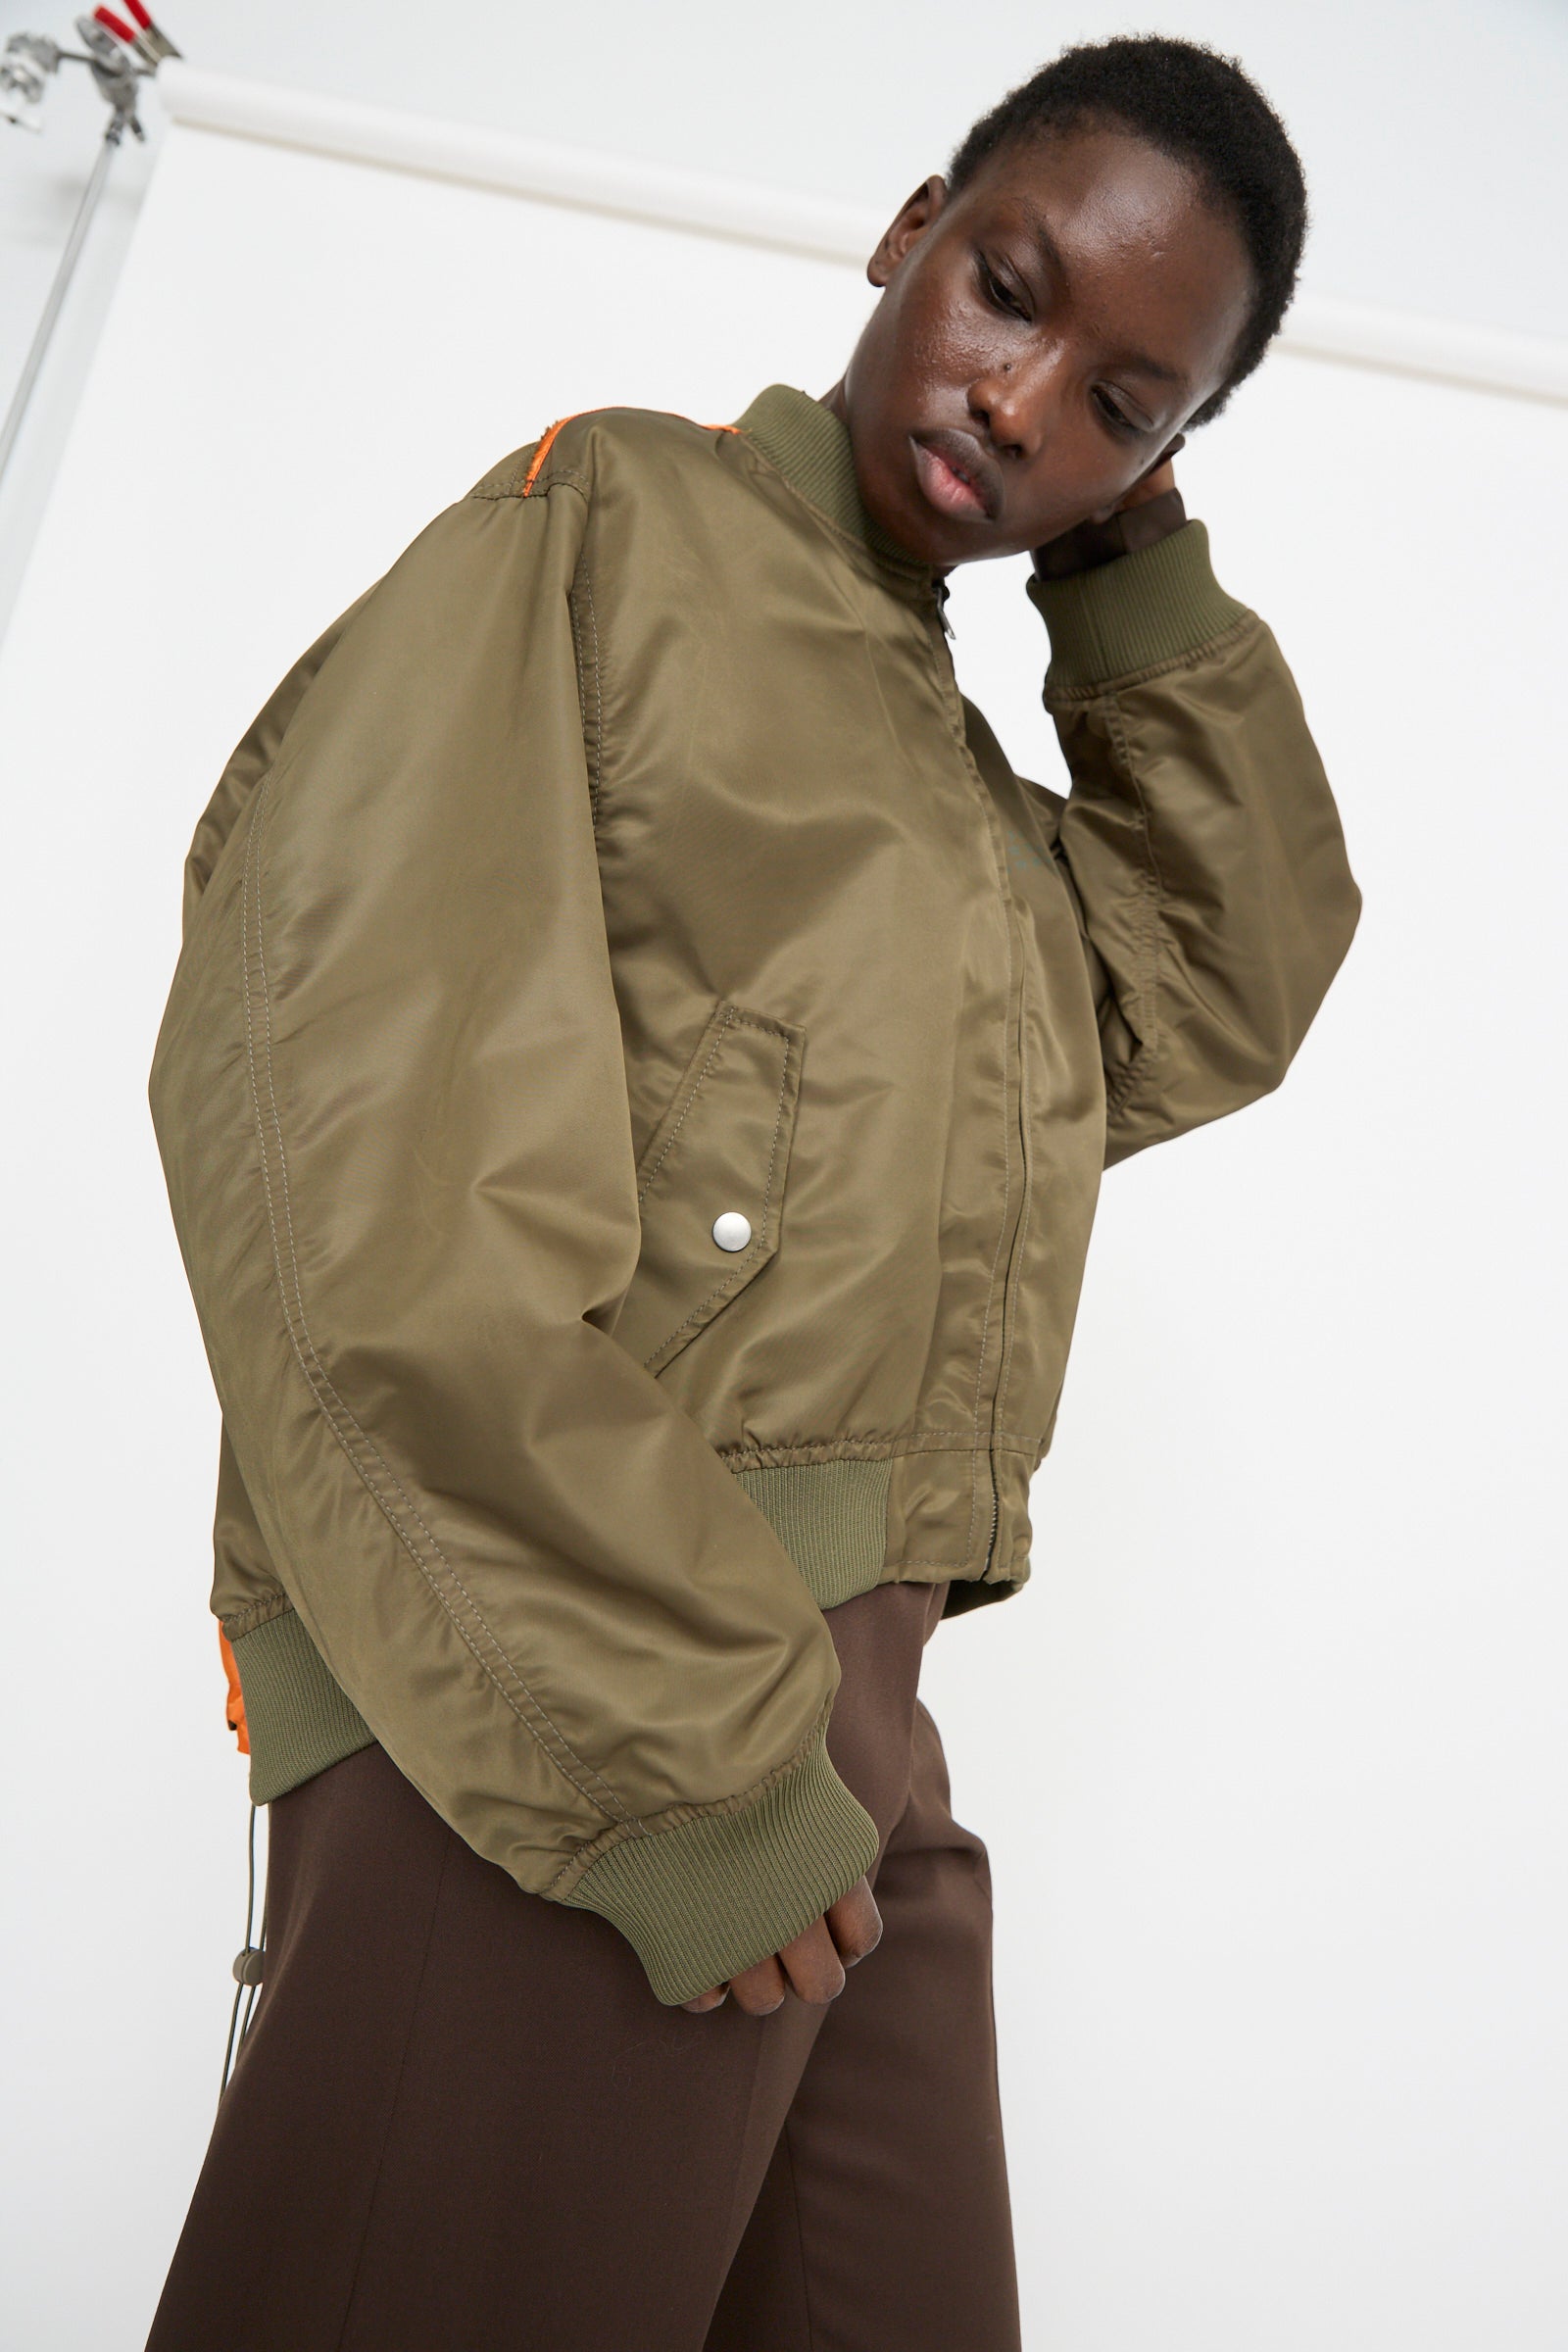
x=540, y=455
x=1153, y=894
x=580, y=1865
x=320, y=1385
x=256, y=1614
x=999, y=1405
x=744, y=1266
x=978, y=784
x=598, y=695
x=726, y=1023
x=556, y=475
x=895, y=1441
x=590, y=681
x=582, y=684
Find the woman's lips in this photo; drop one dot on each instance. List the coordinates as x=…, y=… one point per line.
x=956, y=477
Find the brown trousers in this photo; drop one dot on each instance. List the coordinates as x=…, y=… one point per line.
x=462, y=2123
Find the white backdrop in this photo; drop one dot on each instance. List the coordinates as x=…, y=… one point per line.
x=1271, y=1755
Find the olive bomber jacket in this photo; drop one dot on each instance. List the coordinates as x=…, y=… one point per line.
x=633, y=1095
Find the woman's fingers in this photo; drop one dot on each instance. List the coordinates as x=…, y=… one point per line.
x=855, y=1923
x=813, y=1966
x=809, y=1967
x=761, y=1988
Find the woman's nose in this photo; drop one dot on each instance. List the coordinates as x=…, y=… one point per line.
x=1012, y=403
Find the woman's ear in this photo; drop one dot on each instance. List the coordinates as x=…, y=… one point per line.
x=907, y=225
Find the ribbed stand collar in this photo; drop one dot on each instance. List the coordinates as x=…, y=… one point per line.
x=812, y=450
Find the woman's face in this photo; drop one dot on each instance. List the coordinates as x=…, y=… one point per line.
x=1042, y=338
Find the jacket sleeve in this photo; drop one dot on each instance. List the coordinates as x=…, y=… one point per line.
x=390, y=1098
x=1199, y=838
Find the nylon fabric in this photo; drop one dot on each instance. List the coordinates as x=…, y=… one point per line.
x=625, y=857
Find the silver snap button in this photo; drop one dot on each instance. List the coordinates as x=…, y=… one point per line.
x=732, y=1231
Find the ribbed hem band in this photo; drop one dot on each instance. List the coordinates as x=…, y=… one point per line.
x=298, y=1718
x=831, y=1518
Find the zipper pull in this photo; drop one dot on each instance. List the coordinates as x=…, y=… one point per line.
x=940, y=591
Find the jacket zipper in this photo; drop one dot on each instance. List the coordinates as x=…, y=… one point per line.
x=937, y=618
x=1025, y=1196
x=1013, y=1239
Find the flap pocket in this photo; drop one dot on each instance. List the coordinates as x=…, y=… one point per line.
x=718, y=1159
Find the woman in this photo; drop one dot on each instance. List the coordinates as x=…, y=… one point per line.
x=634, y=1100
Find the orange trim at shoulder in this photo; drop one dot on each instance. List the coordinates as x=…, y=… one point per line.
x=543, y=452
x=235, y=1704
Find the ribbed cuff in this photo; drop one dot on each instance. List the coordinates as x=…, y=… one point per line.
x=1147, y=608
x=701, y=1903
x=300, y=1721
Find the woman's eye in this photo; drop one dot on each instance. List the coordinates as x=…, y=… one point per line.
x=1116, y=418
x=1000, y=294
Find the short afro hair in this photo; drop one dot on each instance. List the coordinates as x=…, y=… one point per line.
x=1203, y=112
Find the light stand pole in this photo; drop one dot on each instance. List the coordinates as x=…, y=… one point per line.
x=120, y=57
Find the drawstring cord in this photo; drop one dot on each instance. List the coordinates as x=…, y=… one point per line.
x=248, y=1966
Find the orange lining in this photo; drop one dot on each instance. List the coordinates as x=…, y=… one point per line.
x=234, y=1704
